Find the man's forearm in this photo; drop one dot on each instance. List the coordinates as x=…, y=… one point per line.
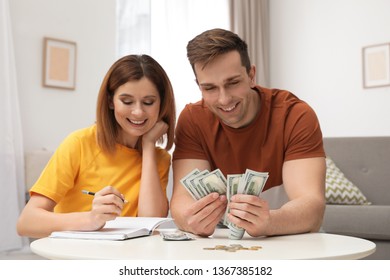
x=297, y=216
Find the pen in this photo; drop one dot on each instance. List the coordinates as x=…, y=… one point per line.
x=87, y=192
x=92, y=193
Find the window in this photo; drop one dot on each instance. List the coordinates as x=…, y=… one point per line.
x=162, y=29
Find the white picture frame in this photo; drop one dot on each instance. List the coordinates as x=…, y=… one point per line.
x=59, y=63
x=376, y=65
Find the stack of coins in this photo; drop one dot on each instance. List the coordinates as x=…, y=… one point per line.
x=233, y=248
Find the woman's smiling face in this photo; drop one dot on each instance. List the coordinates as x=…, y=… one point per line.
x=136, y=107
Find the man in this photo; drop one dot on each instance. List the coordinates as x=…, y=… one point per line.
x=239, y=125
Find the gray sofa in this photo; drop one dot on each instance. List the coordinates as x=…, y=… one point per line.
x=365, y=161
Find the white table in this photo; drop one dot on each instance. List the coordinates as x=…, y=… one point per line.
x=301, y=246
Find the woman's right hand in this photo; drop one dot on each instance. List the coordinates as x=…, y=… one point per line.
x=106, y=205
x=38, y=218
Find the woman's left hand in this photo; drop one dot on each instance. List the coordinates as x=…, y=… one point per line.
x=158, y=130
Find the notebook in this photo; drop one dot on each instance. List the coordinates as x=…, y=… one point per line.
x=121, y=228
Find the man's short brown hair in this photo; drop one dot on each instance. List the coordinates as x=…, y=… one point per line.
x=208, y=45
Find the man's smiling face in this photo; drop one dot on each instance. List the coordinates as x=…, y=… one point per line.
x=227, y=89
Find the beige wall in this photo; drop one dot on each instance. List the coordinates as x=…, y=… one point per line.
x=48, y=114
x=316, y=52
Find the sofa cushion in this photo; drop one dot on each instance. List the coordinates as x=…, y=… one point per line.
x=365, y=221
x=364, y=161
x=340, y=190
x=35, y=162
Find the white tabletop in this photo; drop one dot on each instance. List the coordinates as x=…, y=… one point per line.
x=301, y=246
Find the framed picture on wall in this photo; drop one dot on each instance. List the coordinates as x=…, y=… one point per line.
x=376, y=66
x=59, y=63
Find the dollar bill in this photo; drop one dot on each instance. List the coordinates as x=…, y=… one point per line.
x=251, y=183
x=201, y=183
x=185, y=181
x=212, y=182
x=194, y=184
x=233, y=182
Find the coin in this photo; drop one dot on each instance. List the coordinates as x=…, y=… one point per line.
x=233, y=248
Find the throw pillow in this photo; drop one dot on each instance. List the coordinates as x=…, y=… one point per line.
x=340, y=190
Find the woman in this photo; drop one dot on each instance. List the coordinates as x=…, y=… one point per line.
x=115, y=159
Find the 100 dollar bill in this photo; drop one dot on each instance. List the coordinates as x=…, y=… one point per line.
x=201, y=183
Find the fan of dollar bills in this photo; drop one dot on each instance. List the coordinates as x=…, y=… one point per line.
x=201, y=183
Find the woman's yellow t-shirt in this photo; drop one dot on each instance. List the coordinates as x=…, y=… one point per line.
x=79, y=164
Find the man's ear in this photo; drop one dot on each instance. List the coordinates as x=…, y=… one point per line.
x=252, y=75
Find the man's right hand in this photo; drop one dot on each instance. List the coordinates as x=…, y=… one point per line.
x=196, y=216
x=203, y=215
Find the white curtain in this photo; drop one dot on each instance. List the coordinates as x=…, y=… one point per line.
x=250, y=20
x=133, y=27
x=167, y=26
x=12, y=188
